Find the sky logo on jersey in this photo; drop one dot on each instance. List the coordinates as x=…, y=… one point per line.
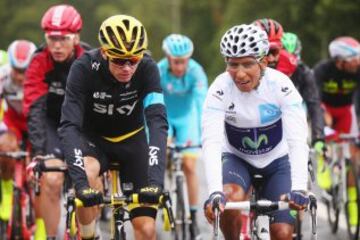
x=79, y=161
x=153, y=155
x=95, y=66
x=247, y=141
x=269, y=113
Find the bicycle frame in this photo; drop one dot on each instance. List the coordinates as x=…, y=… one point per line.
x=178, y=190
x=340, y=152
x=21, y=226
x=340, y=165
x=118, y=217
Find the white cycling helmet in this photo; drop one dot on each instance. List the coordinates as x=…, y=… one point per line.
x=20, y=53
x=344, y=47
x=244, y=41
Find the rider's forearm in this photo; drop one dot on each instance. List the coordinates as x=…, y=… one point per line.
x=158, y=126
x=36, y=121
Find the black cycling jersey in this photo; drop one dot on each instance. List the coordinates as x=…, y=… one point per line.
x=336, y=87
x=304, y=80
x=95, y=102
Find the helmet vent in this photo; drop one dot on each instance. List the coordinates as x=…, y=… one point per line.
x=236, y=39
x=112, y=37
x=102, y=37
x=127, y=24
x=142, y=38
x=234, y=48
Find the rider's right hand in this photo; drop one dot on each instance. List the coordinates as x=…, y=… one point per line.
x=89, y=196
x=215, y=200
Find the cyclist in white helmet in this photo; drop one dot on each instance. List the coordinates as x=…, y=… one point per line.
x=338, y=79
x=184, y=83
x=13, y=123
x=253, y=122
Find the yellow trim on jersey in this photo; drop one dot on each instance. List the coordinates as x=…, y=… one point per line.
x=123, y=137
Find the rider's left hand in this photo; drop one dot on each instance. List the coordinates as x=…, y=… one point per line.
x=298, y=200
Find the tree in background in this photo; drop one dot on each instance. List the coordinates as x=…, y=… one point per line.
x=316, y=22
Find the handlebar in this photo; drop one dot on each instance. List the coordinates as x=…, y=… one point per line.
x=40, y=167
x=265, y=207
x=260, y=206
x=123, y=200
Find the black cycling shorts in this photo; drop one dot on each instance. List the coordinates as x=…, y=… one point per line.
x=129, y=156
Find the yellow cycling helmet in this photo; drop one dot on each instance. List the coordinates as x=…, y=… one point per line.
x=123, y=36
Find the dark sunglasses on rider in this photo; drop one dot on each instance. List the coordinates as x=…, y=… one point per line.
x=132, y=61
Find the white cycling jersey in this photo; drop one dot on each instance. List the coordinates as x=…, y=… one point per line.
x=258, y=126
x=13, y=92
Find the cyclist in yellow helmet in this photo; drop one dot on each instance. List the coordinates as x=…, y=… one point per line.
x=112, y=92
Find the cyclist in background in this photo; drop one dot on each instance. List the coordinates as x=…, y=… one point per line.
x=3, y=57
x=278, y=58
x=184, y=83
x=44, y=90
x=304, y=80
x=338, y=79
x=284, y=55
x=112, y=92
x=253, y=122
x=13, y=123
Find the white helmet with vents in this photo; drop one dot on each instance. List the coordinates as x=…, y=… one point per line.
x=244, y=41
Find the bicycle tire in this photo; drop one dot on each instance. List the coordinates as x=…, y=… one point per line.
x=30, y=212
x=353, y=231
x=3, y=229
x=333, y=206
x=180, y=214
x=119, y=231
x=16, y=226
x=333, y=210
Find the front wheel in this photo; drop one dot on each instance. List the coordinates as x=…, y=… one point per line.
x=15, y=230
x=333, y=203
x=180, y=214
x=352, y=210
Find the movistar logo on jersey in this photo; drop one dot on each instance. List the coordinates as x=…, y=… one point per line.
x=269, y=113
x=248, y=142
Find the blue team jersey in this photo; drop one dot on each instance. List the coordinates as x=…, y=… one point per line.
x=184, y=98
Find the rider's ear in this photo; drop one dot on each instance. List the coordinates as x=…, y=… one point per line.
x=263, y=63
x=103, y=54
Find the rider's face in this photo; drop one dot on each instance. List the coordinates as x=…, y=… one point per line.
x=178, y=66
x=245, y=72
x=350, y=65
x=273, y=57
x=18, y=76
x=61, y=47
x=122, y=70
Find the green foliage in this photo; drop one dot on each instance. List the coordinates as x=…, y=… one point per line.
x=316, y=22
